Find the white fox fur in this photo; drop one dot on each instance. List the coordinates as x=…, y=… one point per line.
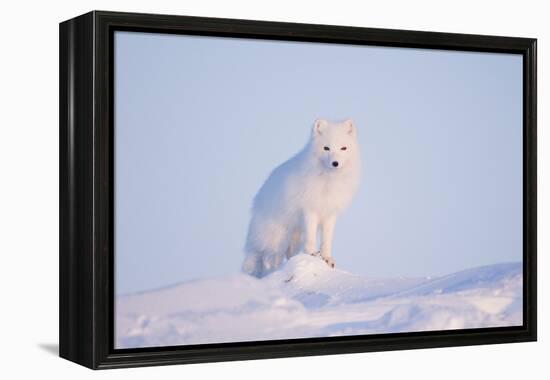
x=303, y=197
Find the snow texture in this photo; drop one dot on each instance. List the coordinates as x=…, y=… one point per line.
x=306, y=298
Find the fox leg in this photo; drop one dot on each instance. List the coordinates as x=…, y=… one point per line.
x=253, y=265
x=311, y=223
x=260, y=264
x=293, y=243
x=327, y=233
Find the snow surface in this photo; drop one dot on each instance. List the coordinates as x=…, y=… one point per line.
x=306, y=299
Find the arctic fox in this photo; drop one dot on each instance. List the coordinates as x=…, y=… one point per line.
x=303, y=196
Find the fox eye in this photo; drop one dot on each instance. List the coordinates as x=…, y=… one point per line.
x=326, y=148
x=344, y=148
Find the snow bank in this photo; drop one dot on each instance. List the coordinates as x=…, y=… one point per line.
x=306, y=298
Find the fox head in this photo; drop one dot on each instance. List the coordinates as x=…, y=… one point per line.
x=334, y=144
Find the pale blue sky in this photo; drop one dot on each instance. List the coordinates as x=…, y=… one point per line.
x=201, y=121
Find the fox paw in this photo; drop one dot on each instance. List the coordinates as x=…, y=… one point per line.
x=330, y=262
x=318, y=253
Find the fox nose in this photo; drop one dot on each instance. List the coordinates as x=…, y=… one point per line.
x=335, y=164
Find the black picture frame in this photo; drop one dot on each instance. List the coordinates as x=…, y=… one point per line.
x=86, y=189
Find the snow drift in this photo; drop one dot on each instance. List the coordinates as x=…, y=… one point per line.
x=306, y=298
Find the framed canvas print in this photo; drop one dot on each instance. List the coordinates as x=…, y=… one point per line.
x=235, y=189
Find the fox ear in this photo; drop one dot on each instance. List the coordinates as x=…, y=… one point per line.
x=350, y=126
x=319, y=126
